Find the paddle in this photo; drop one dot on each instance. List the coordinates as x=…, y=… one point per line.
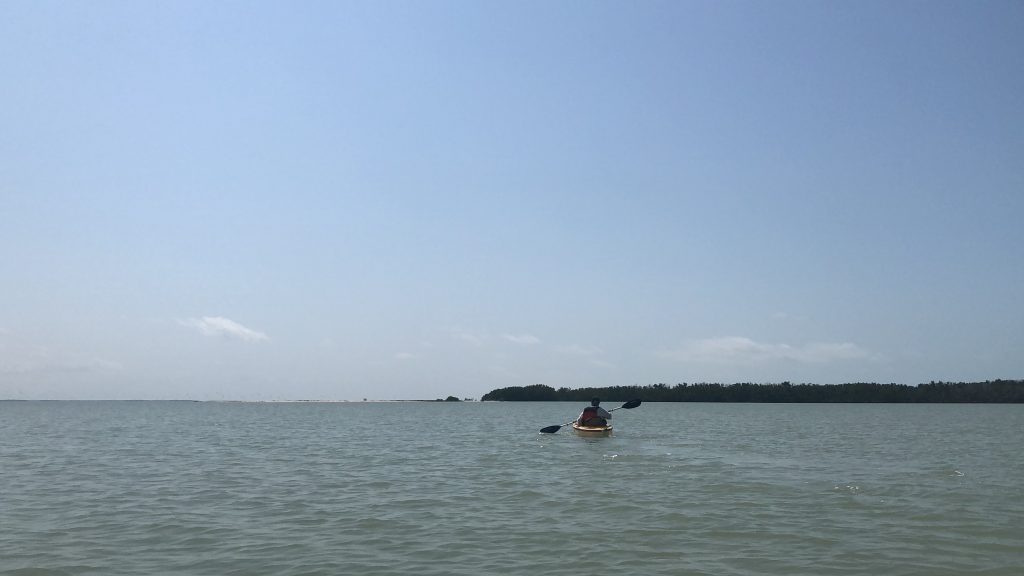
x=553, y=429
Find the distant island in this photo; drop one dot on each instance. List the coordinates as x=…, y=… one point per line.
x=989, y=391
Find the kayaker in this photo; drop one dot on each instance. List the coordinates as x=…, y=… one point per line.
x=594, y=415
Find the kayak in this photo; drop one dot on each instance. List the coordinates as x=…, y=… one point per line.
x=592, y=430
x=582, y=430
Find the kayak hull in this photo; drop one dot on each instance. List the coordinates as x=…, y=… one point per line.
x=592, y=430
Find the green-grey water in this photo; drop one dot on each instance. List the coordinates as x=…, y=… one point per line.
x=135, y=488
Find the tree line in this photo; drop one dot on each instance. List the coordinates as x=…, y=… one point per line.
x=989, y=391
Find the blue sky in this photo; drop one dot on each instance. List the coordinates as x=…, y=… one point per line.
x=347, y=200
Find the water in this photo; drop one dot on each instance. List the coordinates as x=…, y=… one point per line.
x=439, y=489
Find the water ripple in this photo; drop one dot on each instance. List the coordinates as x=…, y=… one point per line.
x=184, y=488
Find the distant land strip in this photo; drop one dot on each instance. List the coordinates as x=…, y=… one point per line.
x=989, y=391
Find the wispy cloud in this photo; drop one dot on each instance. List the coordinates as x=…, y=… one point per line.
x=592, y=354
x=738, y=349
x=578, y=350
x=217, y=326
x=19, y=357
x=524, y=339
x=466, y=336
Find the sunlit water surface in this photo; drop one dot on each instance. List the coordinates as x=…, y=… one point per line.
x=137, y=488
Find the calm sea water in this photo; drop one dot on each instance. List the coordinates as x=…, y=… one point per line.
x=143, y=488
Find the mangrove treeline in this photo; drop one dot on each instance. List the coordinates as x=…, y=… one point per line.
x=990, y=391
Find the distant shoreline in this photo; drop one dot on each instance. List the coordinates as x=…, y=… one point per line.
x=988, y=392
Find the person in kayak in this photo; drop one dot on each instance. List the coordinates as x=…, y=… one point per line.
x=594, y=415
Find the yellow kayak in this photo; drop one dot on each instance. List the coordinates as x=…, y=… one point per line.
x=592, y=430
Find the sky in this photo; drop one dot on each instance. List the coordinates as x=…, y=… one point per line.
x=405, y=200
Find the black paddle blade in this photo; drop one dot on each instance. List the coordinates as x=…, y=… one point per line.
x=549, y=429
x=631, y=404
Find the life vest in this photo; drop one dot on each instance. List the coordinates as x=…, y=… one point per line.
x=589, y=417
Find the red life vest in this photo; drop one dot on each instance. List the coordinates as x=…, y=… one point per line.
x=589, y=417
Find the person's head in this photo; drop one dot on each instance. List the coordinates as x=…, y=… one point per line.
x=595, y=401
